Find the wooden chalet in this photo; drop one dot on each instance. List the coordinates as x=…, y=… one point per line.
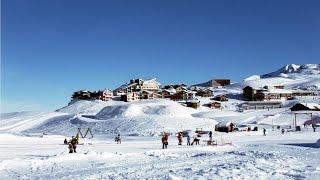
x=204, y=93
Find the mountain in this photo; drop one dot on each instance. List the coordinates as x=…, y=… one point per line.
x=306, y=69
x=292, y=76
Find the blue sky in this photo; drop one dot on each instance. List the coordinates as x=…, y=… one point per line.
x=52, y=48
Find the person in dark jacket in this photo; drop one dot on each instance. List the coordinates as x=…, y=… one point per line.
x=188, y=140
x=65, y=141
x=210, y=135
x=164, y=140
x=74, y=143
x=264, y=131
x=70, y=148
x=282, y=131
x=180, y=138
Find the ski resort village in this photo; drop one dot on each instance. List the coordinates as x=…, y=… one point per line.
x=264, y=127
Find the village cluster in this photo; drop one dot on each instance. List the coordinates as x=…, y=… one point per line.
x=266, y=97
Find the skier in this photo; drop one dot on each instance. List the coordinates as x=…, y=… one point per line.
x=196, y=140
x=70, y=148
x=314, y=127
x=65, y=141
x=210, y=135
x=188, y=140
x=180, y=138
x=118, y=139
x=164, y=140
x=74, y=143
x=282, y=131
x=264, y=131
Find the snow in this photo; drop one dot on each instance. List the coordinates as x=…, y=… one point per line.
x=31, y=143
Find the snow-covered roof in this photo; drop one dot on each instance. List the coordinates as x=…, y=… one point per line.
x=170, y=91
x=152, y=80
x=224, y=123
x=277, y=91
x=311, y=105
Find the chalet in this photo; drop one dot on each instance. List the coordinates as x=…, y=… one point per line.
x=261, y=105
x=104, y=95
x=148, y=95
x=183, y=95
x=132, y=96
x=272, y=94
x=193, y=104
x=215, y=105
x=167, y=93
x=138, y=85
x=303, y=93
x=279, y=87
x=225, y=127
x=265, y=93
x=204, y=93
x=305, y=107
x=214, y=83
x=82, y=94
x=176, y=87
x=220, y=98
x=222, y=82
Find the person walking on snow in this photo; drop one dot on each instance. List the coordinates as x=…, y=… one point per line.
x=164, y=140
x=314, y=127
x=74, y=143
x=264, y=131
x=282, y=131
x=210, y=135
x=180, y=138
x=188, y=140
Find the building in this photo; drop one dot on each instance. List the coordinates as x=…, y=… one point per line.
x=81, y=95
x=300, y=93
x=131, y=96
x=215, y=105
x=220, y=98
x=167, y=93
x=183, y=95
x=222, y=82
x=138, y=85
x=204, y=92
x=261, y=105
x=148, y=95
x=214, y=83
x=193, y=104
x=265, y=94
x=305, y=107
x=225, y=127
x=104, y=95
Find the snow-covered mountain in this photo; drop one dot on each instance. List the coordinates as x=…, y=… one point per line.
x=292, y=76
x=287, y=70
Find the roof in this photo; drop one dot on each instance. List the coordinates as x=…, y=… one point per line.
x=224, y=123
x=261, y=102
x=311, y=105
x=152, y=80
x=277, y=91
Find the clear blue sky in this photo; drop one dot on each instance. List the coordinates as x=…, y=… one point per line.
x=51, y=48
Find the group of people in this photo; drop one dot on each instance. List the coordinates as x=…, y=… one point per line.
x=196, y=139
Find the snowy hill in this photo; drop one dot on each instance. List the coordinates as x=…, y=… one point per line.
x=149, y=117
